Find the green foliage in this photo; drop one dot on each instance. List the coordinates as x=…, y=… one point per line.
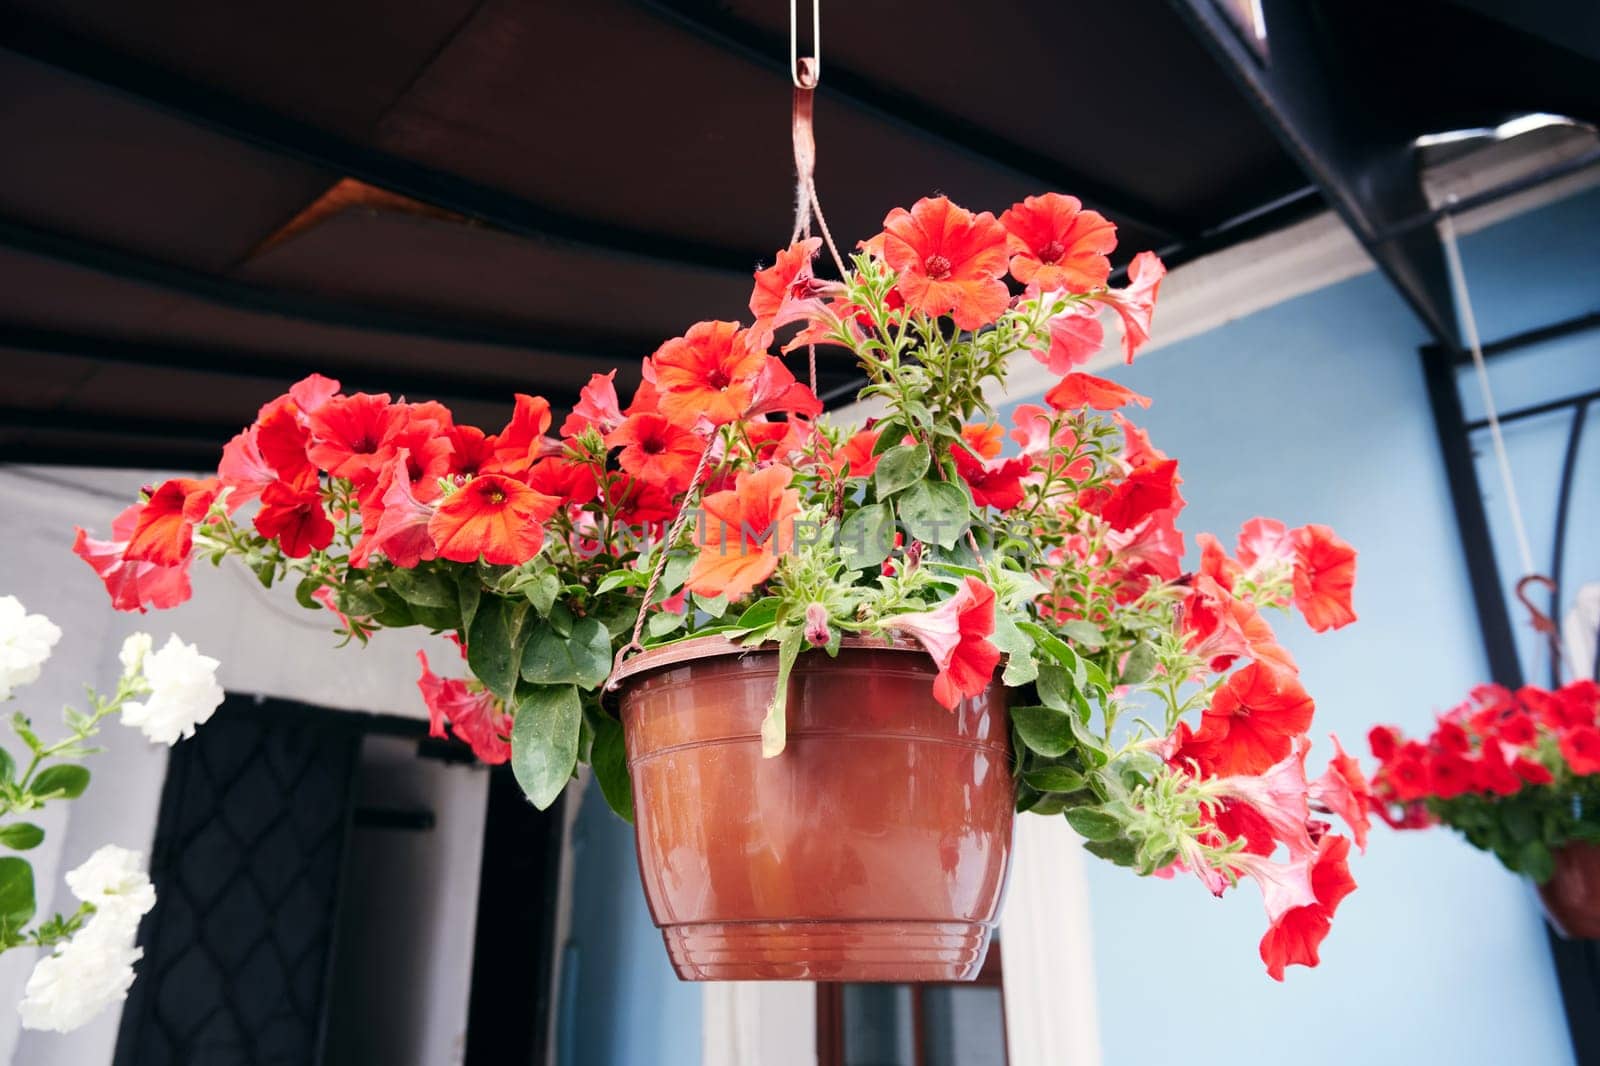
x=544, y=740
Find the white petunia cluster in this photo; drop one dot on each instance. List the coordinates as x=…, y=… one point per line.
x=25, y=643
x=183, y=689
x=94, y=969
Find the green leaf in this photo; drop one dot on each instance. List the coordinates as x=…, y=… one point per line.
x=584, y=658
x=1119, y=850
x=1020, y=667
x=663, y=622
x=265, y=571
x=1055, y=687
x=357, y=599
x=618, y=578
x=8, y=766
x=544, y=741
x=424, y=588
x=774, y=727
x=1054, y=779
x=714, y=606
x=609, y=757
x=495, y=642
x=1044, y=729
x=542, y=592
x=935, y=512
x=469, y=594
x=1085, y=633
x=1535, y=860
x=1139, y=665
x=590, y=648
x=21, y=836
x=16, y=892
x=303, y=591
x=1093, y=824
x=867, y=536
x=62, y=781
x=899, y=467
x=760, y=614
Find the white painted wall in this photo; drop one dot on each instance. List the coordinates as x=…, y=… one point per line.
x=267, y=645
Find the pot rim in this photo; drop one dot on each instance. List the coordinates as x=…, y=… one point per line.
x=715, y=645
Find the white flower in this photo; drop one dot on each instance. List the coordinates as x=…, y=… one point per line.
x=25, y=643
x=134, y=649
x=113, y=879
x=86, y=975
x=183, y=693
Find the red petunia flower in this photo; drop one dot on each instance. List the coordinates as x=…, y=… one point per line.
x=1056, y=244
x=1136, y=304
x=1491, y=773
x=1252, y=721
x=570, y=481
x=471, y=454
x=956, y=634
x=347, y=436
x=1324, y=578
x=987, y=439
x=1296, y=937
x=787, y=291
x=292, y=514
x=774, y=390
x=395, y=521
x=130, y=583
x=597, y=406
x=994, y=482
x=657, y=451
x=1384, y=741
x=492, y=516
x=1220, y=628
x=708, y=373
x=474, y=716
x=1449, y=774
x=1086, y=390
x=949, y=261
x=743, y=533
x=1343, y=790
x=857, y=452
x=1147, y=490
x=1075, y=336
x=1580, y=746
x=243, y=469
x=164, y=533
x=523, y=441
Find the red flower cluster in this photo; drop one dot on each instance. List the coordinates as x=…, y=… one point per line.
x=1496, y=743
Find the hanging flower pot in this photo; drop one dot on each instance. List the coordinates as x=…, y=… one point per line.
x=874, y=849
x=1516, y=774
x=1571, y=897
x=855, y=650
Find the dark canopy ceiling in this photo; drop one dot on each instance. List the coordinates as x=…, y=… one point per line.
x=489, y=196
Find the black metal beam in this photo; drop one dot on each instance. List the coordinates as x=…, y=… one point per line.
x=1528, y=338
x=1534, y=410
x=281, y=135
x=1363, y=165
x=1554, y=172
x=276, y=368
x=555, y=342
x=911, y=115
x=56, y=421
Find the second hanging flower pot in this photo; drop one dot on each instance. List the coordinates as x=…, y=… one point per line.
x=1571, y=897
x=874, y=848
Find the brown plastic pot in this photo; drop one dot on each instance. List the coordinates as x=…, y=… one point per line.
x=874, y=848
x=1571, y=897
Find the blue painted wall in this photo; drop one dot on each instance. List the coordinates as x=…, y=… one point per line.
x=1315, y=411
x=620, y=1004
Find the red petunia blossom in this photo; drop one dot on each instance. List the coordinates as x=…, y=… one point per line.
x=1215, y=562
x=597, y=407
x=787, y=291
x=1252, y=721
x=1343, y=790
x=292, y=514
x=1296, y=937
x=492, y=516
x=857, y=453
x=1147, y=490
x=244, y=470
x=1449, y=774
x=132, y=584
x=1579, y=702
x=1136, y=304
x=657, y=451
x=638, y=502
x=395, y=521
x=1491, y=773
x=347, y=436
x=1279, y=796
x=1407, y=773
x=774, y=390
x=164, y=534
x=743, y=533
x=1324, y=578
x=1384, y=741
x=523, y=441
x=471, y=454
x=1531, y=771
x=994, y=483
x=708, y=373
x=1075, y=336
x=956, y=634
x=1580, y=746
x=570, y=481
x=311, y=392
x=1451, y=737
x=1220, y=628
x=283, y=436
x=423, y=431
x=949, y=261
x=1086, y=390
x=1517, y=729
x=474, y=716
x=1056, y=244
x=986, y=439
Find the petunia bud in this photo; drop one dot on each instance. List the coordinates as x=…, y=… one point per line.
x=817, y=625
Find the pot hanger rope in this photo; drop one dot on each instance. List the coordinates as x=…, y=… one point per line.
x=805, y=72
x=1542, y=622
